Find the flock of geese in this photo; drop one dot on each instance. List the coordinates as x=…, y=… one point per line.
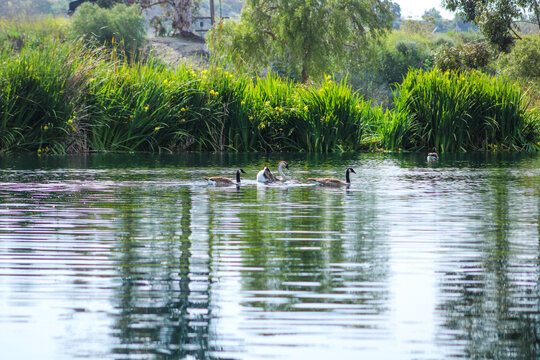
x=266, y=176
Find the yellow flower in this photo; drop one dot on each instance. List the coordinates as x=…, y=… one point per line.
x=267, y=103
x=73, y=129
x=251, y=118
x=262, y=126
x=39, y=151
x=131, y=116
x=165, y=81
x=45, y=127
x=70, y=121
x=146, y=108
x=243, y=102
x=183, y=109
x=183, y=120
x=306, y=108
x=157, y=128
x=211, y=92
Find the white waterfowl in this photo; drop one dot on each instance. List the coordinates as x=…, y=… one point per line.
x=433, y=156
x=265, y=175
x=332, y=182
x=221, y=180
x=281, y=165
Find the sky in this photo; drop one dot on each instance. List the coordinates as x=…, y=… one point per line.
x=416, y=8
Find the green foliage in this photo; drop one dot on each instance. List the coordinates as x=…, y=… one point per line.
x=524, y=60
x=465, y=57
x=385, y=63
x=119, y=26
x=496, y=18
x=15, y=34
x=461, y=112
x=39, y=94
x=306, y=40
x=64, y=98
x=523, y=63
x=59, y=97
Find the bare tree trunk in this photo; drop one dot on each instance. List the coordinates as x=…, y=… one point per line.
x=182, y=16
x=181, y=13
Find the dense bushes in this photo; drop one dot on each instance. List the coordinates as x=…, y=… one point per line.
x=119, y=26
x=465, y=57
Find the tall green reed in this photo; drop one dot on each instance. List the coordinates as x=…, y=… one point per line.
x=459, y=111
x=37, y=101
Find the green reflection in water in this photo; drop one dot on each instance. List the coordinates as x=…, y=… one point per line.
x=193, y=270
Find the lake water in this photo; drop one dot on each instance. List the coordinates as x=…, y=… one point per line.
x=136, y=257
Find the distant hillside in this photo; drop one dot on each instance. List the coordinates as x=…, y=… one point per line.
x=21, y=8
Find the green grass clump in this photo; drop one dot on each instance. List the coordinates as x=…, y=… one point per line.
x=39, y=96
x=460, y=111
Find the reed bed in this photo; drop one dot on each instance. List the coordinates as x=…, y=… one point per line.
x=58, y=96
x=460, y=111
x=63, y=97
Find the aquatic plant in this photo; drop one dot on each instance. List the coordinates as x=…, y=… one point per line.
x=460, y=111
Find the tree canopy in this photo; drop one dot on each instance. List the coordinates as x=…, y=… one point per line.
x=496, y=18
x=306, y=37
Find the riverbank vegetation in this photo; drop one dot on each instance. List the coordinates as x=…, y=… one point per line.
x=61, y=93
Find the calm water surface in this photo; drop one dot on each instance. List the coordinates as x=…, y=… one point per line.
x=135, y=257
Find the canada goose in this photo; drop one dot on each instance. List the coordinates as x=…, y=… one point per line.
x=432, y=156
x=220, y=180
x=265, y=175
x=335, y=182
x=281, y=165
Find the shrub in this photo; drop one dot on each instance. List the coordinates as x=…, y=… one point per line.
x=524, y=60
x=119, y=26
x=462, y=112
x=464, y=57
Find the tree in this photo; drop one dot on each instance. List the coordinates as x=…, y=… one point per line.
x=496, y=18
x=396, y=12
x=306, y=36
x=178, y=11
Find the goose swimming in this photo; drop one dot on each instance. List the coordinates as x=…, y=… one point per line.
x=220, y=180
x=433, y=156
x=335, y=182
